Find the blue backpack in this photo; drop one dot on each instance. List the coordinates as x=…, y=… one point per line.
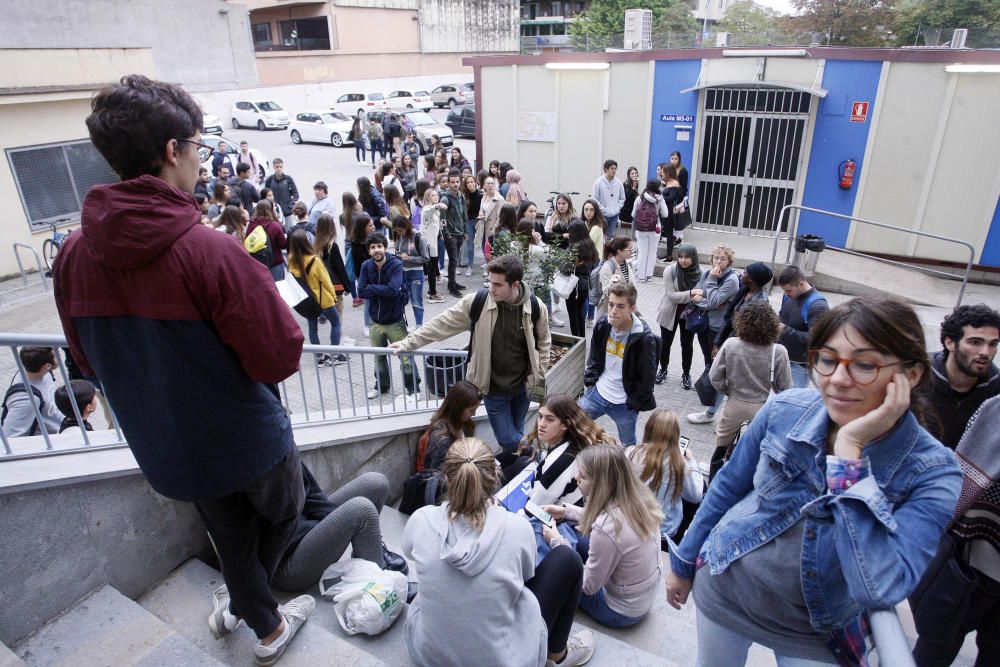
x=811, y=298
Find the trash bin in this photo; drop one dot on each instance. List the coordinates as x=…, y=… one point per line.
x=441, y=373
x=807, y=250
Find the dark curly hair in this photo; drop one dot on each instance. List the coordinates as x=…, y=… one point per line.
x=132, y=121
x=757, y=323
x=976, y=316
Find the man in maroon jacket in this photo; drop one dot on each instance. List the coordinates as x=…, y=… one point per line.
x=161, y=308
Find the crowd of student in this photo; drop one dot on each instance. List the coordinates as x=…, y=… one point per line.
x=836, y=495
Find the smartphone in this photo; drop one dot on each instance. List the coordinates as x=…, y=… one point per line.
x=684, y=442
x=537, y=512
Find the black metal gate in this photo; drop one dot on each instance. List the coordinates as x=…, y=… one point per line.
x=751, y=154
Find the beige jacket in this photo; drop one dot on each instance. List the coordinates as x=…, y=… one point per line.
x=457, y=319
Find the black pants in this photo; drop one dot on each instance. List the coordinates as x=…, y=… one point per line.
x=576, y=306
x=983, y=616
x=706, y=339
x=667, y=232
x=687, y=345
x=250, y=530
x=432, y=272
x=557, y=585
x=451, y=246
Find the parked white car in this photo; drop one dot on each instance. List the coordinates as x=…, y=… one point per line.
x=322, y=127
x=262, y=114
x=210, y=124
x=353, y=103
x=452, y=94
x=404, y=100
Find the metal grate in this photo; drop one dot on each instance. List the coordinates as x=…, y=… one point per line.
x=751, y=154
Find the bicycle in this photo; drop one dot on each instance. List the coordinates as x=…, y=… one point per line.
x=51, y=246
x=551, y=201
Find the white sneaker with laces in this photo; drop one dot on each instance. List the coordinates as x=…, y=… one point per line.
x=295, y=612
x=221, y=622
x=700, y=417
x=556, y=322
x=579, y=649
x=468, y=271
x=373, y=394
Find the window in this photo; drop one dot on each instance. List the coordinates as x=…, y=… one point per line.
x=557, y=9
x=52, y=180
x=305, y=35
x=261, y=36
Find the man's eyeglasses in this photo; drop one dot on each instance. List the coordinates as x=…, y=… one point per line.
x=204, y=150
x=861, y=371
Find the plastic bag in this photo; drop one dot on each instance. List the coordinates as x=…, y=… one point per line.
x=367, y=599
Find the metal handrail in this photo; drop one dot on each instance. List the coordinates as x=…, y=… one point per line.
x=319, y=399
x=890, y=640
x=794, y=228
x=38, y=263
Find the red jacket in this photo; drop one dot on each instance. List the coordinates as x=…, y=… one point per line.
x=185, y=330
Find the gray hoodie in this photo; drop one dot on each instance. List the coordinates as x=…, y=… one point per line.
x=473, y=607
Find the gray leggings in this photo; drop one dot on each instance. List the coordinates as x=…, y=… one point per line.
x=354, y=522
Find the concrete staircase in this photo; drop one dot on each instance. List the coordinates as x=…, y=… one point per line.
x=167, y=626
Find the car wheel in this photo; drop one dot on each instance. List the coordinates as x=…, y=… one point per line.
x=236, y=124
x=409, y=106
x=296, y=137
x=260, y=171
x=260, y=125
x=336, y=140
x=452, y=103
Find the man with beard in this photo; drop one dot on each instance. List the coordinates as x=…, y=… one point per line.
x=964, y=374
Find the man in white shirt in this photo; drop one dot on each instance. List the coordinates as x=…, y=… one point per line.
x=609, y=193
x=321, y=203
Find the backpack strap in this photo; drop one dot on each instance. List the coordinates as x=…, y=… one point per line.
x=18, y=388
x=812, y=297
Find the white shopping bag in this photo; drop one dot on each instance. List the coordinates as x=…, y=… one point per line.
x=290, y=290
x=367, y=599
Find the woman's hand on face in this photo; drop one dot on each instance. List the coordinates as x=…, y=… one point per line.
x=852, y=438
x=558, y=512
x=550, y=532
x=677, y=590
x=716, y=271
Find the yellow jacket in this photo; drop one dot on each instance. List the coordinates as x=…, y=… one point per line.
x=318, y=280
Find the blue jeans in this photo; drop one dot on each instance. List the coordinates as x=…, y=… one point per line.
x=360, y=153
x=333, y=317
x=414, y=281
x=800, y=375
x=597, y=608
x=378, y=145
x=719, y=398
x=441, y=253
x=721, y=647
x=278, y=272
x=507, y=413
x=612, y=221
x=591, y=310
x=470, y=243
x=624, y=417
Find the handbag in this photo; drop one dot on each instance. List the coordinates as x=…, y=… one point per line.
x=696, y=319
x=349, y=265
x=564, y=285
x=308, y=307
x=420, y=490
x=706, y=392
x=941, y=600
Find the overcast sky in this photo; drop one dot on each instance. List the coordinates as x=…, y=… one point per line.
x=783, y=6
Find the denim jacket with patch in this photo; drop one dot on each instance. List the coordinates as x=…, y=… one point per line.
x=865, y=544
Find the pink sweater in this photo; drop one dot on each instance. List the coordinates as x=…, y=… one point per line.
x=627, y=567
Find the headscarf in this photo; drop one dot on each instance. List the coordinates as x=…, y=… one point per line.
x=687, y=278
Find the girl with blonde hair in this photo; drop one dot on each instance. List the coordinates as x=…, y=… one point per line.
x=475, y=566
x=622, y=520
x=671, y=473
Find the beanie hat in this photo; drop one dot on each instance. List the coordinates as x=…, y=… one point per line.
x=760, y=273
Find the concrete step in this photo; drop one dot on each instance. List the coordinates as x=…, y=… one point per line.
x=107, y=628
x=8, y=658
x=183, y=600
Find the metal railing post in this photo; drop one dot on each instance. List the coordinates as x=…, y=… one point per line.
x=890, y=640
x=38, y=263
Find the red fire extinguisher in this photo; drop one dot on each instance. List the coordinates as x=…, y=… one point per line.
x=846, y=171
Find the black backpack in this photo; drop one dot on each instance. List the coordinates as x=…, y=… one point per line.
x=308, y=308
x=262, y=252
x=477, y=310
x=18, y=388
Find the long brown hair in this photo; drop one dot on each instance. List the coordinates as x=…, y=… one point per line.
x=472, y=476
x=394, y=198
x=892, y=328
x=326, y=233
x=264, y=209
x=298, y=250
x=232, y=220
x=462, y=396
x=348, y=201
x=581, y=430
x=616, y=490
x=659, y=446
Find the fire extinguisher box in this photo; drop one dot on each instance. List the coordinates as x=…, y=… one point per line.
x=807, y=251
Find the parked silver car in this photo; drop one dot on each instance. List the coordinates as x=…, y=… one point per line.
x=452, y=94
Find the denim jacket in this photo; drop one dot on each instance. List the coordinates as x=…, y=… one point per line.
x=865, y=544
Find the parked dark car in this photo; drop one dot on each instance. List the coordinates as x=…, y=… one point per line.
x=462, y=120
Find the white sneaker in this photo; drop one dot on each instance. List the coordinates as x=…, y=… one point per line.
x=579, y=648
x=468, y=271
x=295, y=612
x=373, y=394
x=700, y=418
x=221, y=622
x=556, y=322
x=368, y=331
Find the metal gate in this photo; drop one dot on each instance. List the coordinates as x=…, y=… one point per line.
x=751, y=154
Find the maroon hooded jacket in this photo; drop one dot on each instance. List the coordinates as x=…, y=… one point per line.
x=186, y=333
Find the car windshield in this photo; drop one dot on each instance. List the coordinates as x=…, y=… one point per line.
x=420, y=93
x=332, y=118
x=421, y=118
x=336, y=115
x=268, y=106
x=376, y=96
